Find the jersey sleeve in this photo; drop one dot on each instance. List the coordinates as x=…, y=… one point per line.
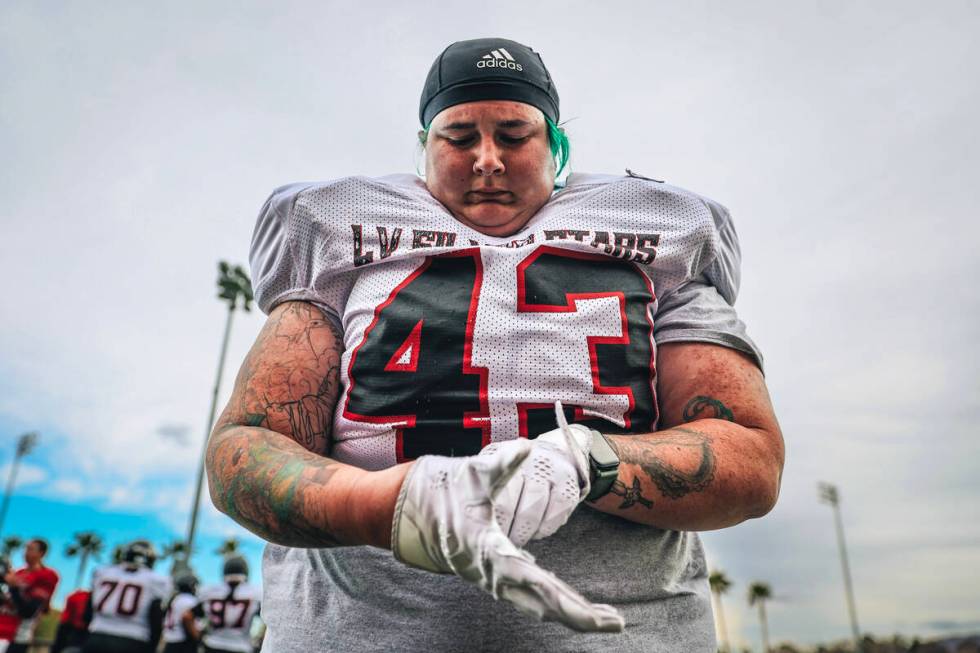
x=702, y=309
x=282, y=257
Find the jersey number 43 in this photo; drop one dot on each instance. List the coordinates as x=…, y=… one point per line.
x=414, y=366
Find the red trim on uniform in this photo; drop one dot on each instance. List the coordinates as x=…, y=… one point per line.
x=481, y=419
x=413, y=342
x=524, y=306
x=474, y=419
x=409, y=420
x=655, y=408
x=523, y=430
x=522, y=410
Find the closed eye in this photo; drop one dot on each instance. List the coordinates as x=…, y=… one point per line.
x=466, y=141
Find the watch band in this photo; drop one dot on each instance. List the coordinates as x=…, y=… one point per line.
x=603, y=466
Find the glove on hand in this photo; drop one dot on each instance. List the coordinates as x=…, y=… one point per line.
x=540, y=497
x=444, y=523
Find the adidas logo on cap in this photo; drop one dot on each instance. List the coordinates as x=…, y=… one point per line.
x=499, y=58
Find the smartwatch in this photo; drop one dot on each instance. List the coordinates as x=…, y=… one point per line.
x=603, y=466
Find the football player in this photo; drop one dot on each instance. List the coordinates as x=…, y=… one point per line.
x=230, y=608
x=180, y=630
x=393, y=431
x=127, y=603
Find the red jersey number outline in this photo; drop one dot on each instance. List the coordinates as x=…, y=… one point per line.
x=524, y=306
x=481, y=419
x=126, y=589
x=471, y=419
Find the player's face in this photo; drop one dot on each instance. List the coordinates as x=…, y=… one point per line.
x=490, y=164
x=32, y=553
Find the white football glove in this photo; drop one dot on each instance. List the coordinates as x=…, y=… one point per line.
x=444, y=523
x=550, y=484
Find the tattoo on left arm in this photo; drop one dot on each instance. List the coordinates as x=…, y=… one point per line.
x=631, y=495
x=702, y=407
x=672, y=481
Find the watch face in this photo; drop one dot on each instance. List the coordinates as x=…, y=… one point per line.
x=602, y=454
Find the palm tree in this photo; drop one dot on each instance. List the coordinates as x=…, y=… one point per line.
x=86, y=544
x=233, y=283
x=719, y=585
x=760, y=593
x=229, y=547
x=174, y=549
x=10, y=544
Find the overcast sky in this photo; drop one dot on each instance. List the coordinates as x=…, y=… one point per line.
x=138, y=141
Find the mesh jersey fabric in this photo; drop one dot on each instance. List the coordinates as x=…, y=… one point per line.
x=569, y=308
x=121, y=600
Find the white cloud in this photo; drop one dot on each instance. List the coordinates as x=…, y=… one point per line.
x=27, y=474
x=849, y=170
x=67, y=489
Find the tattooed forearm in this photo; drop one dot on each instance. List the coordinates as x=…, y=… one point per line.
x=265, y=460
x=271, y=486
x=631, y=495
x=650, y=453
x=702, y=407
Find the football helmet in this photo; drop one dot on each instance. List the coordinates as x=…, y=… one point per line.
x=235, y=568
x=139, y=553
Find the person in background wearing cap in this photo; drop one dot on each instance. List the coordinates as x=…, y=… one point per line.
x=400, y=433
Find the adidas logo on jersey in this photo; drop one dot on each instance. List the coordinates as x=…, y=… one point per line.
x=499, y=59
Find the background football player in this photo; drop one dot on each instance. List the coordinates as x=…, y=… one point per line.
x=180, y=629
x=127, y=603
x=230, y=608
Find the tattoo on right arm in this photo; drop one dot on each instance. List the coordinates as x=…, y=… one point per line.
x=278, y=510
x=290, y=380
x=265, y=461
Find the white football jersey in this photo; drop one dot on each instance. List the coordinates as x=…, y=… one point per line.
x=173, y=626
x=230, y=615
x=121, y=600
x=455, y=339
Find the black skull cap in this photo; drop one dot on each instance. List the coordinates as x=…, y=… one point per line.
x=487, y=69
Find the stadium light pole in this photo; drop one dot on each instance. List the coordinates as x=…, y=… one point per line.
x=233, y=283
x=829, y=495
x=25, y=444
